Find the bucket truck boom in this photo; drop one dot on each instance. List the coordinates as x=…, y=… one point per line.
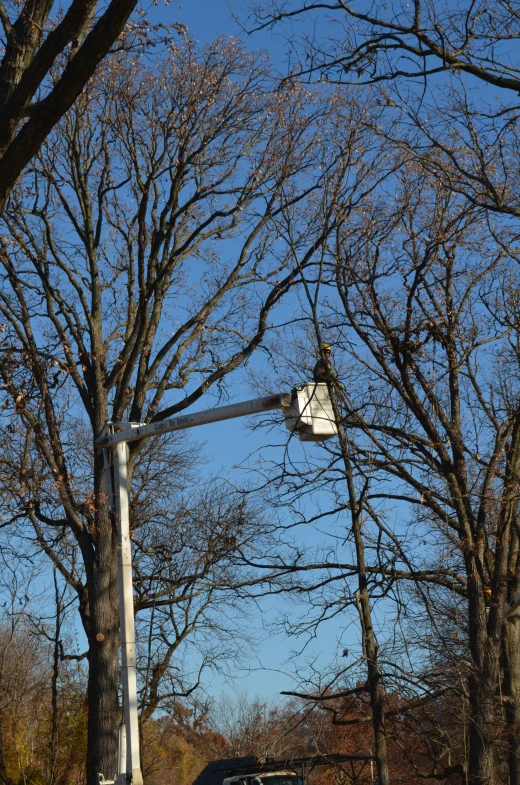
x=308, y=413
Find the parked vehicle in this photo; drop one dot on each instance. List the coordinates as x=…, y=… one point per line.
x=267, y=771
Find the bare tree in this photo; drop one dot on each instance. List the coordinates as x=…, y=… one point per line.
x=139, y=269
x=449, y=434
x=424, y=330
x=413, y=40
x=448, y=79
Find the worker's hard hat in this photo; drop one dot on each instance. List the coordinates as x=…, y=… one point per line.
x=325, y=347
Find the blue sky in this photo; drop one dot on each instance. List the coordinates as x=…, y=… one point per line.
x=228, y=444
x=206, y=19
x=233, y=445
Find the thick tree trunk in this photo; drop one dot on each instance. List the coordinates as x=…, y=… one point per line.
x=103, y=633
x=511, y=692
x=482, y=732
x=482, y=684
x=103, y=678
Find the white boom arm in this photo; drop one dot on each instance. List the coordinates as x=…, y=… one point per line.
x=307, y=411
x=131, y=432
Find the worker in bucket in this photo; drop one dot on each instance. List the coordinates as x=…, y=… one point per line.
x=323, y=370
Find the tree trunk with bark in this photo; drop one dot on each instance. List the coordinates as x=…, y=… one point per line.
x=103, y=658
x=34, y=47
x=511, y=694
x=374, y=683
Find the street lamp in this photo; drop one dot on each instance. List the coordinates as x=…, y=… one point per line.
x=308, y=413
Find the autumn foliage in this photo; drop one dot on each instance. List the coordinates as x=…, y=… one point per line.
x=176, y=745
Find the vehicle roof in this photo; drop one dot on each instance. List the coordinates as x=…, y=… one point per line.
x=216, y=771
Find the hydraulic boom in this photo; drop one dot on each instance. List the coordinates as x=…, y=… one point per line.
x=308, y=413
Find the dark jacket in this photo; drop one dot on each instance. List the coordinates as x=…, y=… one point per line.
x=323, y=371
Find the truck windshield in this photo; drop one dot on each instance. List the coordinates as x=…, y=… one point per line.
x=281, y=779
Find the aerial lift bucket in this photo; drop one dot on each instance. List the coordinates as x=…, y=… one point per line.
x=310, y=414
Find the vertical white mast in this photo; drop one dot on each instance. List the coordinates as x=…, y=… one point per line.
x=126, y=617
